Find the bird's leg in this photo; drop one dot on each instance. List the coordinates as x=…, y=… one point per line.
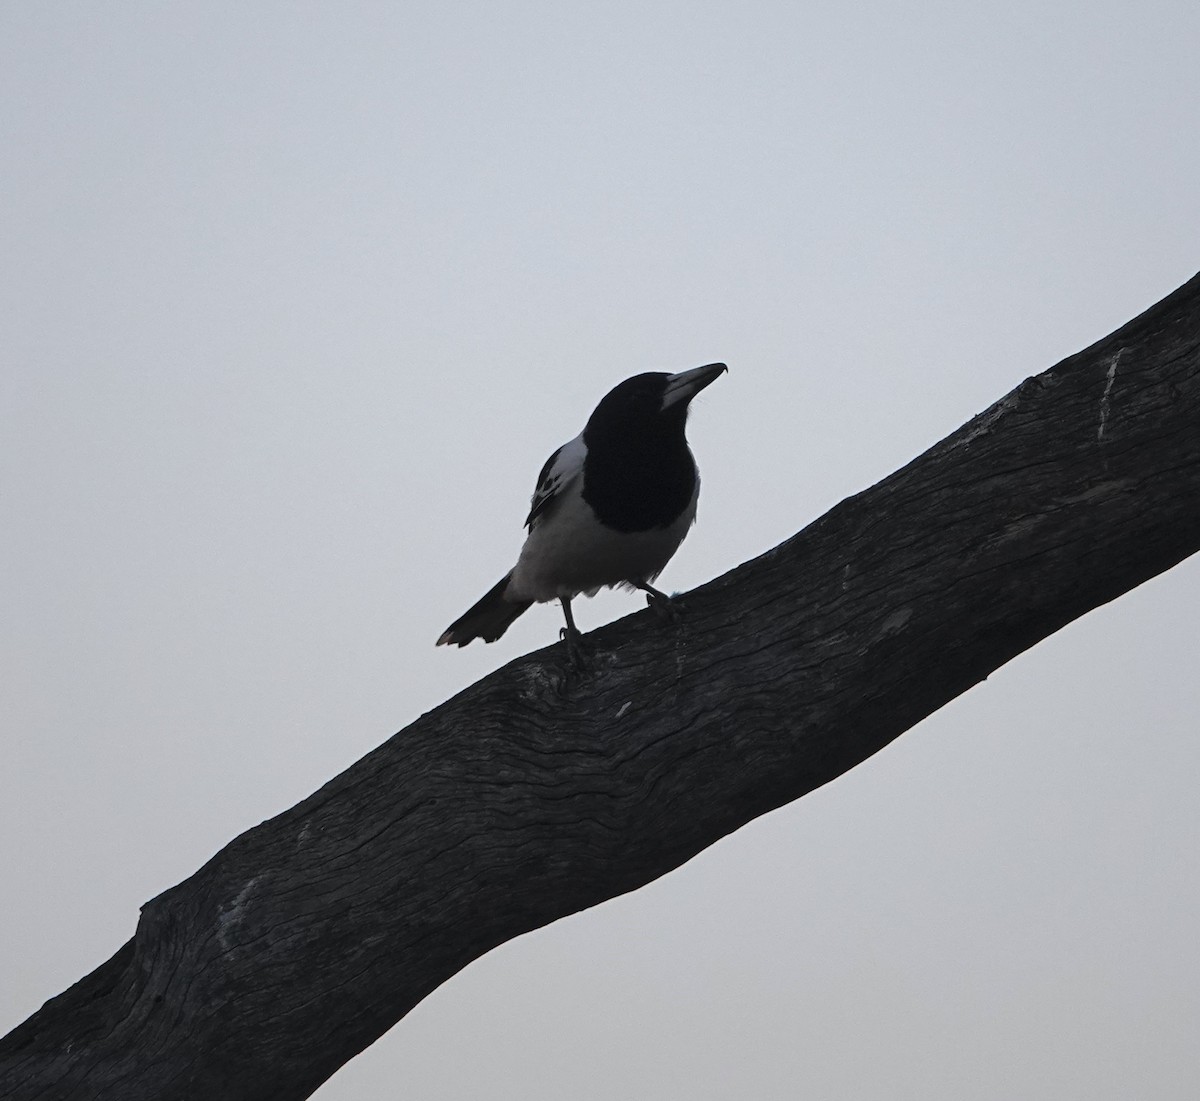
x=571, y=636
x=664, y=606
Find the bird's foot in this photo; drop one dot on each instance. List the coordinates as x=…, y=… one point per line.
x=577, y=657
x=667, y=608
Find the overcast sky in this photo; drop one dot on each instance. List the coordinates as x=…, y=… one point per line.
x=297, y=299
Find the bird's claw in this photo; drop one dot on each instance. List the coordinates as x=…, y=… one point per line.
x=576, y=652
x=667, y=608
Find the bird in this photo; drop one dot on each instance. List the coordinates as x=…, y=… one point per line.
x=610, y=508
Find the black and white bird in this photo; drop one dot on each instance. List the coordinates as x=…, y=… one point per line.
x=610, y=508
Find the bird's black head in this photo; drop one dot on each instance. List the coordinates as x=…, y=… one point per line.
x=639, y=473
x=653, y=404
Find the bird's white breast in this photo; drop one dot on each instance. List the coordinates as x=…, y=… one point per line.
x=571, y=552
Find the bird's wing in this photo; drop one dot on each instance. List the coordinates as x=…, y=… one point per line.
x=562, y=469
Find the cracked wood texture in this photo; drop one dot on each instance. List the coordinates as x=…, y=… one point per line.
x=529, y=795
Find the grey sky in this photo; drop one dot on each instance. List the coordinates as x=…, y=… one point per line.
x=297, y=300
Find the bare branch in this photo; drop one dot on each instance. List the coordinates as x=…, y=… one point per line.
x=529, y=796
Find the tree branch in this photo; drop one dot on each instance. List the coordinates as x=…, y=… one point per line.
x=528, y=797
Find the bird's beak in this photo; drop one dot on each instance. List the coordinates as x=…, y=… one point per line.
x=681, y=388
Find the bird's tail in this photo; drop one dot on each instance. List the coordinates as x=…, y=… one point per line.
x=488, y=619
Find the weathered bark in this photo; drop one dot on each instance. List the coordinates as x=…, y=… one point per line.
x=528, y=797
